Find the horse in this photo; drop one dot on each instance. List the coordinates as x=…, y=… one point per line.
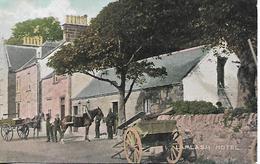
x=35, y=123
x=87, y=117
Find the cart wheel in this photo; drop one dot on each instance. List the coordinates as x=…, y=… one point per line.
x=7, y=132
x=175, y=148
x=23, y=131
x=132, y=146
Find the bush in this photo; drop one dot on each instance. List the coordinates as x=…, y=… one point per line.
x=239, y=111
x=195, y=107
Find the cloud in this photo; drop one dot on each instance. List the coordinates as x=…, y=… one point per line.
x=26, y=9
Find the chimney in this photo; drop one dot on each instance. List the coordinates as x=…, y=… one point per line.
x=32, y=40
x=73, y=27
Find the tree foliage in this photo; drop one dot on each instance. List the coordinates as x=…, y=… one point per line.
x=49, y=28
x=126, y=31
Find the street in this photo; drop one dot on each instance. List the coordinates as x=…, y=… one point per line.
x=76, y=151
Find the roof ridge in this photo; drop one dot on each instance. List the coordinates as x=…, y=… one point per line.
x=175, y=52
x=22, y=46
x=51, y=51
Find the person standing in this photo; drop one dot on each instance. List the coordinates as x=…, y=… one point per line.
x=57, y=125
x=97, y=125
x=110, y=120
x=49, y=128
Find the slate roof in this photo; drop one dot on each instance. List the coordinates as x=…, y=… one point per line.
x=177, y=64
x=19, y=55
x=47, y=48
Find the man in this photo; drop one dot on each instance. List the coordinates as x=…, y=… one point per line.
x=110, y=120
x=97, y=125
x=49, y=128
x=57, y=124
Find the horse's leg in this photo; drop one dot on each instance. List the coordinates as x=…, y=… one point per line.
x=86, y=133
x=38, y=131
x=62, y=134
x=34, y=132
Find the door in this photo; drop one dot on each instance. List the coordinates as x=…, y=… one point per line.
x=115, y=111
x=18, y=110
x=75, y=110
x=62, y=107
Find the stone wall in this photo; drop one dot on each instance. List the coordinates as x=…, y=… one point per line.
x=27, y=91
x=220, y=140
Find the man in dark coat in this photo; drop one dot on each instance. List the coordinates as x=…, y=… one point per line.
x=110, y=120
x=57, y=124
x=97, y=125
x=49, y=128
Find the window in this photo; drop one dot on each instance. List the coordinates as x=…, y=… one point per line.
x=146, y=105
x=29, y=81
x=84, y=108
x=18, y=84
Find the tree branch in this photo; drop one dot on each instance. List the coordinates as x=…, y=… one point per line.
x=130, y=89
x=102, y=79
x=132, y=57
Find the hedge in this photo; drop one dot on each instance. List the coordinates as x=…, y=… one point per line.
x=195, y=107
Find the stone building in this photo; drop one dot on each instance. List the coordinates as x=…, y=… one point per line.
x=12, y=58
x=55, y=95
x=206, y=82
x=154, y=94
x=189, y=71
x=28, y=90
x=57, y=92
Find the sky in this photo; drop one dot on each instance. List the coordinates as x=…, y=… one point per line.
x=13, y=11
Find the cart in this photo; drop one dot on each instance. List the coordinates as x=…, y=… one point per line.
x=9, y=125
x=150, y=133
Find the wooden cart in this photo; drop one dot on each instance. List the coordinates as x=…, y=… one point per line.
x=8, y=125
x=149, y=133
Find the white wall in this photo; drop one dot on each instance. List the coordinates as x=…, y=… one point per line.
x=45, y=70
x=78, y=82
x=201, y=82
x=3, y=81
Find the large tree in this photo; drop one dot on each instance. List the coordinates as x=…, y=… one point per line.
x=123, y=33
x=128, y=30
x=233, y=21
x=49, y=28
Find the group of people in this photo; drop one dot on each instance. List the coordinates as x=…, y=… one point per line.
x=52, y=128
x=110, y=123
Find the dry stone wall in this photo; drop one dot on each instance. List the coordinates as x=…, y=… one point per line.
x=220, y=139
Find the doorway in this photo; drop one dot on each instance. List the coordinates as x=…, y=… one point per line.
x=115, y=111
x=62, y=107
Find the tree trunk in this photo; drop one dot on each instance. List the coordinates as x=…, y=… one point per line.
x=121, y=89
x=121, y=112
x=246, y=79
